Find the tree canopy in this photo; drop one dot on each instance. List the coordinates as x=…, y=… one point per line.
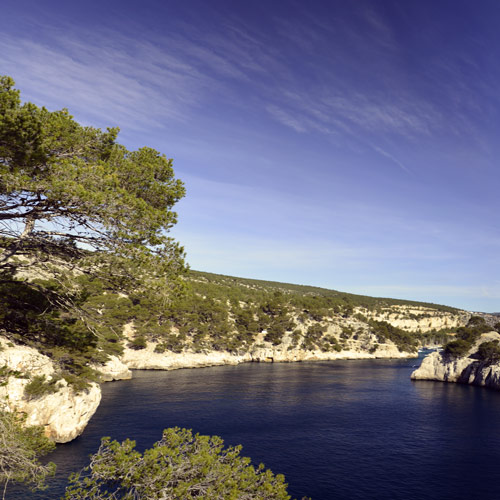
x=73, y=192
x=78, y=211
x=179, y=466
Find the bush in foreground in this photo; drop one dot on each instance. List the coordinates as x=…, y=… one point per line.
x=179, y=466
x=20, y=448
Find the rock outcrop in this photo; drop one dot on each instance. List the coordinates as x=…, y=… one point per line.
x=464, y=370
x=114, y=369
x=64, y=414
x=285, y=352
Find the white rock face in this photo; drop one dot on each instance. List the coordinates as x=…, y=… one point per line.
x=434, y=367
x=281, y=353
x=114, y=369
x=418, y=318
x=24, y=359
x=63, y=414
x=464, y=370
x=147, y=359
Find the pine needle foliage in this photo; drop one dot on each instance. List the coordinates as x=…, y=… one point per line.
x=84, y=222
x=178, y=467
x=20, y=449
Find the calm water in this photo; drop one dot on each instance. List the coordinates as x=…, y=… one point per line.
x=337, y=430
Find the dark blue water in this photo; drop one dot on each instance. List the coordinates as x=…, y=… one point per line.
x=337, y=430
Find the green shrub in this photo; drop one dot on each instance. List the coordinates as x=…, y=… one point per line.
x=466, y=336
x=312, y=338
x=245, y=321
x=6, y=372
x=347, y=332
x=489, y=352
x=404, y=341
x=180, y=465
x=347, y=310
x=434, y=337
x=4, y=375
x=171, y=342
x=295, y=337
x=278, y=325
x=160, y=348
x=360, y=317
x=457, y=348
x=138, y=342
x=21, y=448
x=476, y=321
x=275, y=333
x=77, y=383
x=316, y=331
x=329, y=343
x=39, y=387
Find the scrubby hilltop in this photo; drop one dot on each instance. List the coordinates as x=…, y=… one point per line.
x=286, y=322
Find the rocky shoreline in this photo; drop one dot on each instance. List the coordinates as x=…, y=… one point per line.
x=64, y=414
x=464, y=370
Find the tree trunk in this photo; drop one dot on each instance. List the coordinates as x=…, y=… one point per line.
x=13, y=248
x=28, y=228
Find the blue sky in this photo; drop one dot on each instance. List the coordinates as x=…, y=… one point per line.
x=346, y=144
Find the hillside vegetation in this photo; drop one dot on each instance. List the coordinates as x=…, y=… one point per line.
x=469, y=334
x=229, y=313
x=214, y=313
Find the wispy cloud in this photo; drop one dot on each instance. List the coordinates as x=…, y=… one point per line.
x=286, y=118
x=342, y=228
x=392, y=158
x=136, y=82
x=104, y=80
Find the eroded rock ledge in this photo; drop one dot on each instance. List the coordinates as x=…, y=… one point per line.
x=464, y=370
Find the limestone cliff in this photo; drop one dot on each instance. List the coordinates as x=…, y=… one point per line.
x=148, y=359
x=464, y=370
x=64, y=413
x=339, y=337
x=284, y=353
x=260, y=351
x=417, y=318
